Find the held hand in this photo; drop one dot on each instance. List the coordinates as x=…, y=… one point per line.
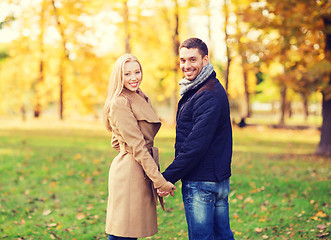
x=172, y=193
x=168, y=187
x=162, y=193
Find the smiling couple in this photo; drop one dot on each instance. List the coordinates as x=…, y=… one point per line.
x=203, y=150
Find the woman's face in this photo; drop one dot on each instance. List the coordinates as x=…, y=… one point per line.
x=132, y=76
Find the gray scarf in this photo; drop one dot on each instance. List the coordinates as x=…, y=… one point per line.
x=186, y=85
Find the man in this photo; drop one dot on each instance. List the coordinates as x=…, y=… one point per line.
x=203, y=147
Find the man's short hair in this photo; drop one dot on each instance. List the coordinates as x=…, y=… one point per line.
x=195, y=43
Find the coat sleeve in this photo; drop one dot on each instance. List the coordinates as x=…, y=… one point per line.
x=122, y=116
x=205, y=118
x=114, y=143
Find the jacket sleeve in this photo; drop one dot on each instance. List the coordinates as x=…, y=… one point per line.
x=205, y=118
x=127, y=125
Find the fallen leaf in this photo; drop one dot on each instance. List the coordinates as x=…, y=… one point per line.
x=258, y=230
x=96, y=173
x=235, y=215
x=249, y=200
x=262, y=219
x=322, y=235
x=263, y=208
x=320, y=214
x=52, y=225
x=236, y=233
x=321, y=227
x=46, y=212
x=240, y=197
x=88, y=180
x=80, y=216
x=78, y=156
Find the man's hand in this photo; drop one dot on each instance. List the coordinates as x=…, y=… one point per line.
x=166, y=189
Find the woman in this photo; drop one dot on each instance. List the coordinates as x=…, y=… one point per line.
x=134, y=174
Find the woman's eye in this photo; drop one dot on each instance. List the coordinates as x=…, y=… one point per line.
x=138, y=72
x=126, y=74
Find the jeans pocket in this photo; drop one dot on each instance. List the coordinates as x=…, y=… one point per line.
x=206, y=191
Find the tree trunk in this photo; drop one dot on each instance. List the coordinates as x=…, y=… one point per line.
x=245, y=68
x=305, y=107
x=61, y=75
x=247, y=95
x=324, y=147
x=37, y=107
x=176, y=57
x=245, y=77
x=23, y=112
x=63, y=61
x=283, y=106
x=288, y=108
x=210, y=43
x=226, y=14
x=126, y=26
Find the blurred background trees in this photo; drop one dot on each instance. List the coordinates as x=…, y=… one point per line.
x=274, y=56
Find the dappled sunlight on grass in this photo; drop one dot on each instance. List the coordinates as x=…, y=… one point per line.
x=275, y=141
x=6, y=151
x=53, y=183
x=279, y=185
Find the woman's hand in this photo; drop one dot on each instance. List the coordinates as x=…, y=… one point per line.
x=164, y=193
x=165, y=189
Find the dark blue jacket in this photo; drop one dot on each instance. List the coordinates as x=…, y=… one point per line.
x=203, y=147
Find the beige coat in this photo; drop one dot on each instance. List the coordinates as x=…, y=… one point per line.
x=131, y=210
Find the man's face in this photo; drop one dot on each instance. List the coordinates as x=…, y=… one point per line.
x=191, y=62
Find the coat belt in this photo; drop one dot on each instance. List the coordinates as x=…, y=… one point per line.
x=125, y=148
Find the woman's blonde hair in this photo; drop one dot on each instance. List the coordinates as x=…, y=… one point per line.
x=116, y=82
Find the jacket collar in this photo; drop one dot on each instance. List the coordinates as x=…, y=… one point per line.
x=192, y=91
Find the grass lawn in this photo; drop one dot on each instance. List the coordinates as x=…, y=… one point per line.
x=53, y=183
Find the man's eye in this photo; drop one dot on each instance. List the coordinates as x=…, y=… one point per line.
x=193, y=60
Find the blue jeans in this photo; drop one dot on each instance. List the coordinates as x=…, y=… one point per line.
x=207, y=209
x=112, y=237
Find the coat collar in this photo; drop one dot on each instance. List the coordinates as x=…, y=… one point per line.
x=141, y=106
